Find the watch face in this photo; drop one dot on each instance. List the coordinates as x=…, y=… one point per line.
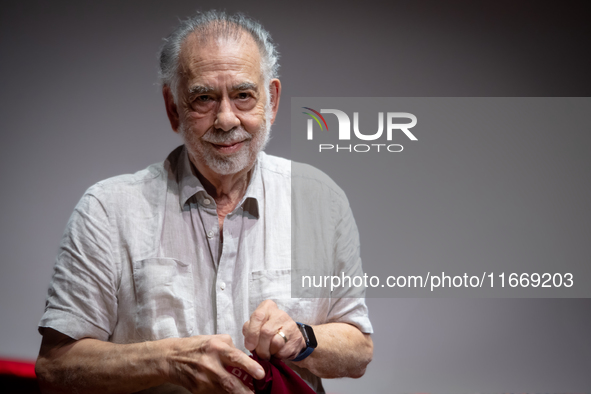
x=309, y=336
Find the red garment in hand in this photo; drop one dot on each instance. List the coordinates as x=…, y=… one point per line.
x=279, y=378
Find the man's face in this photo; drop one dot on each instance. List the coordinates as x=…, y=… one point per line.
x=224, y=109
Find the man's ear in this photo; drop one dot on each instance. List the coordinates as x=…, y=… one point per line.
x=275, y=91
x=171, y=109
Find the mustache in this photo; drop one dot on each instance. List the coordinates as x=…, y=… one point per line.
x=217, y=136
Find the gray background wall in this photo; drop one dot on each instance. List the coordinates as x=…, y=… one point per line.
x=79, y=103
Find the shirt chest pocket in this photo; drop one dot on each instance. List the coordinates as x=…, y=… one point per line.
x=164, y=290
x=275, y=285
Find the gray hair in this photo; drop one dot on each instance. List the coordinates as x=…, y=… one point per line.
x=216, y=24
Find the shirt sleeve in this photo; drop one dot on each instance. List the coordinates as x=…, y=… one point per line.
x=348, y=301
x=82, y=298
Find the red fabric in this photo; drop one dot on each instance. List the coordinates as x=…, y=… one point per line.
x=279, y=378
x=17, y=368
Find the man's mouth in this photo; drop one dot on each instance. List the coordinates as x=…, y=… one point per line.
x=228, y=147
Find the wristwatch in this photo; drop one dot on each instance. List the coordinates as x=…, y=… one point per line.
x=310, y=338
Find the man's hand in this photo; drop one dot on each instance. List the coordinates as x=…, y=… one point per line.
x=197, y=363
x=260, y=333
x=92, y=366
x=343, y=350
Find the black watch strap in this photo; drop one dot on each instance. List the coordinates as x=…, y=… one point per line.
x=310, y=338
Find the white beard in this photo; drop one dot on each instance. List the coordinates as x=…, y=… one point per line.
x=201, y=150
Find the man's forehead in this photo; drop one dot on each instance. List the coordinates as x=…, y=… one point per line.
x=235, y=48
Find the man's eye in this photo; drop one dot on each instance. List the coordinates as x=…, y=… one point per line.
x=243, y=96
x=203, y=99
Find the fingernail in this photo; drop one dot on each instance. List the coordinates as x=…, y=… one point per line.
x=260, y=373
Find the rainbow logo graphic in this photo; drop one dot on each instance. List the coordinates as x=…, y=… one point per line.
x=316, y=119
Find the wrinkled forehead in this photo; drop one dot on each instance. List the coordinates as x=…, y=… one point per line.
x=205, y=53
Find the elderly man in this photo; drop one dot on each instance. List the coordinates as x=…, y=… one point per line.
x=167, y=276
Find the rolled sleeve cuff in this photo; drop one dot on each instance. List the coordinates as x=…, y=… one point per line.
x=71, y=325
x=361, y=322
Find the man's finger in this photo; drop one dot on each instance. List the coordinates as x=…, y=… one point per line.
x=265, y=337
x=277, y=343
x=237, y=358
x=252, y=328
x=226, y=339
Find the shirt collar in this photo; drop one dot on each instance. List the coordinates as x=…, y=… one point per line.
x=190, y=185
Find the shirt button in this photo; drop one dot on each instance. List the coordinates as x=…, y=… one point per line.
x=206, y=201
x=210, y=234
x=222, y=286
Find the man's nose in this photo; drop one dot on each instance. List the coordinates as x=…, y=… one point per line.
x=226, y=119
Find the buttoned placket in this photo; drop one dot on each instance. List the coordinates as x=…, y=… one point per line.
x=223, y=257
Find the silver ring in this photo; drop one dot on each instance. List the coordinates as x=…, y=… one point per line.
x=282, y=335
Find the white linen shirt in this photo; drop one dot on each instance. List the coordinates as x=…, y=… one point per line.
x=141, y=258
